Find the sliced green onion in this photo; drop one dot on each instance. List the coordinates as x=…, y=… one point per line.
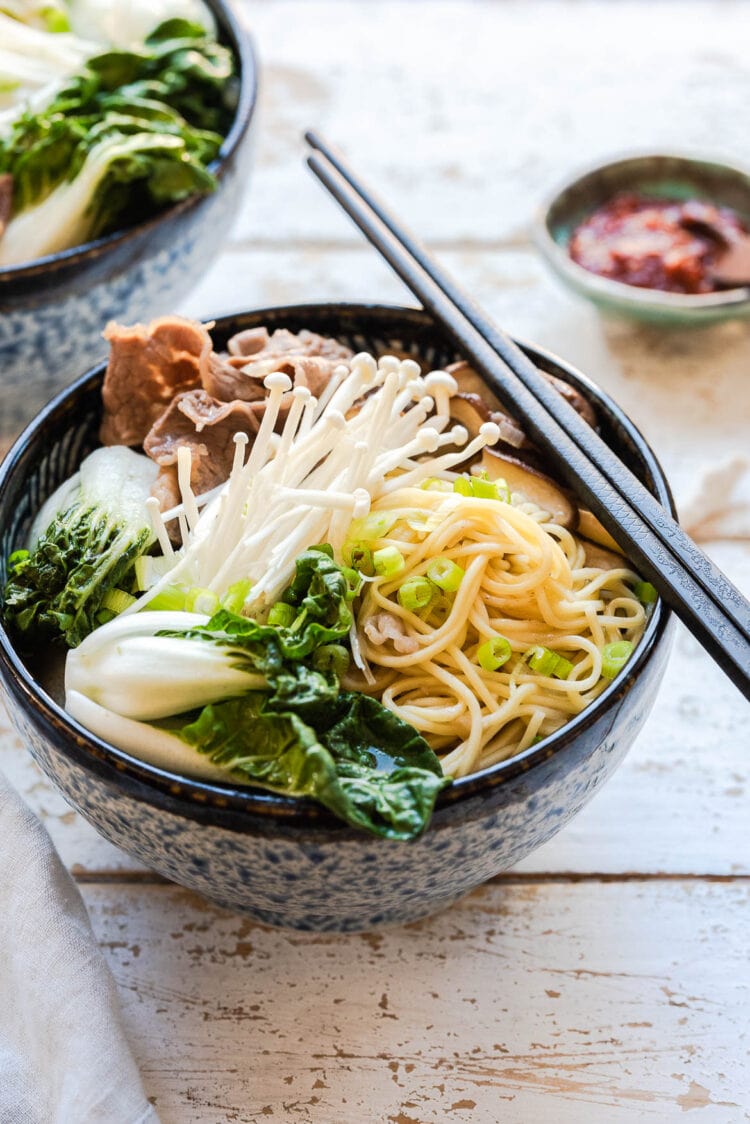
x=494, y=653
x=415, y=593
x=435, y=484
x=615, y=656
x=235, y=597
x=388, y=562
x=353, y=580
x=546, y=662
x=171, y=598
x=16, y=558
x=645, y=592
x=445, y=574
x=201, y=601
x=376, y=525
x=323, y=548
x=116, y=600
x=482, y=488
x=485, y=489
x=332, y=658
x=282, y=615
x=359, y=557
x=563, y=668
x=55, y=20
x=150, y=568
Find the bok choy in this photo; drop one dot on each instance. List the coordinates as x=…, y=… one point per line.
x=261, y=701
x=84, y=544
x=134, y=131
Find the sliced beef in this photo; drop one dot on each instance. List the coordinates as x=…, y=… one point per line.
x=308, y=359
x=259, y=343
x=207, y=427
x=225, y=382
x=148, y=366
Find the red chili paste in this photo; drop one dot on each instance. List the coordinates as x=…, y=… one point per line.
x=655, y=243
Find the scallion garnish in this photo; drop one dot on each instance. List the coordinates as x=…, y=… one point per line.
x=234, y=598
x=645, y=592
x=359, y=557
x=200, y=600
x=415, y=593
x=388, y=561
x=435, y=484
x=494, y=653
x=445, y=574
x=482, y=488
x=170, y=599
x=546, y=662
x=376, y=525
x=281, y=615
x=331, y=658
x=615, y=656
x=485, y=489
x=116, y=600
x=353, y=582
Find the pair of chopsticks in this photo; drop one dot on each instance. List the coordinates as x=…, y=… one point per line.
x=702, y=596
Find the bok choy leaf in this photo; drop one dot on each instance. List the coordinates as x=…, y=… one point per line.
x=359, y=760
x=86, y=549
x=133, y=132
x=257, y=700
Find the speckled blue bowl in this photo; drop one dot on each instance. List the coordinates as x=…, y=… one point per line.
x=53, y=310
x=288, y=862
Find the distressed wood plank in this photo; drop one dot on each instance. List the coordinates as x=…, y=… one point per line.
x=469, y=113
x=568, y=1003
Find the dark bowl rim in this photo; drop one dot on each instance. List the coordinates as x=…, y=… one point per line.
x=195, y=798
x=242, y=44
x=617, y=291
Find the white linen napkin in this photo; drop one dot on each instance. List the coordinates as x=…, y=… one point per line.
x=64, y=1058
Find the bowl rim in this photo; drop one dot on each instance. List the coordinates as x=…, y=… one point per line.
x=210, y=799
x=242, y=45
x=608, y=290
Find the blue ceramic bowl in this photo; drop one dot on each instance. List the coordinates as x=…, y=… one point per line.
x=53, y=310
x=289, y=862
x=670, y=176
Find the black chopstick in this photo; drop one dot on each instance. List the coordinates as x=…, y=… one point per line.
x=705, y=572
x=701, y=595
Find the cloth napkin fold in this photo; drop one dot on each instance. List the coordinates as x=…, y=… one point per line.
x=64, y=1058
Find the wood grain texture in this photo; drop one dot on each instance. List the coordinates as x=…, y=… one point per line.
x=545, y=1003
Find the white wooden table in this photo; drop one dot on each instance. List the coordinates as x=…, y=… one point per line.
x=605, y=979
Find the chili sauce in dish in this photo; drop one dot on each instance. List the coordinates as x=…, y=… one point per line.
x=656, y=243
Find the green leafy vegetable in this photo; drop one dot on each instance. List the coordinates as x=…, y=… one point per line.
x=319, y=595
x=305, y=737
x=85, y=550
x=135, y=131
x=359, y=760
